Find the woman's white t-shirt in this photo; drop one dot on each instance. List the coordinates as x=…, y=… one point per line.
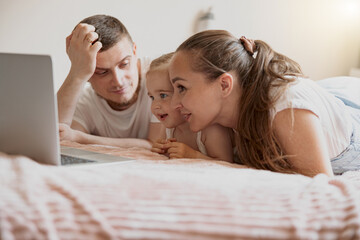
x=334, y=117
x=98, y=118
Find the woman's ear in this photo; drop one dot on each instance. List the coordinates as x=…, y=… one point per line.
x=226, y=83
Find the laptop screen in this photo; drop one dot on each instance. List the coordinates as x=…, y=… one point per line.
x=28, y=110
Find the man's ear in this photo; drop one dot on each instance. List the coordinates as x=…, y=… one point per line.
x=226, y=81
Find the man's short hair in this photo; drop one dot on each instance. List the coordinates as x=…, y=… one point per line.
x=109, y=29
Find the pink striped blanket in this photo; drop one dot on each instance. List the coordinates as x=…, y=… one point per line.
x=173, y=199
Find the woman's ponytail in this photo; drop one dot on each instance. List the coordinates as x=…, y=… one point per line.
x=256, y=143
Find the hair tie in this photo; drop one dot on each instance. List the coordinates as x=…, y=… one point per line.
x=249, y=45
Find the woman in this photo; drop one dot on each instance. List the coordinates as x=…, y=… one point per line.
x=281, y=121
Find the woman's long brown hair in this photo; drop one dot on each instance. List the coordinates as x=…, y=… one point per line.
x=215, y=52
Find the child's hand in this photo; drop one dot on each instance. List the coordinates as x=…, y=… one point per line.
x=180, y=150
x=158, y=146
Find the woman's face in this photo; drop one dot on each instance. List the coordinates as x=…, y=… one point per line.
x=198, y=99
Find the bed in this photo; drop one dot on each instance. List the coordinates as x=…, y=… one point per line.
x=156, y=198
x=152, y=197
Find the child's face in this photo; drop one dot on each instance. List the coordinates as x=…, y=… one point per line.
x=160, y=91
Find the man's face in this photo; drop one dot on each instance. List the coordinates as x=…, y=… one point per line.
x=116, y=76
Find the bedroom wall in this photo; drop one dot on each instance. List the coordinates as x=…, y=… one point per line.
x=322, y=35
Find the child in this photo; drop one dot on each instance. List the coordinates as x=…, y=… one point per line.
x=178, y=140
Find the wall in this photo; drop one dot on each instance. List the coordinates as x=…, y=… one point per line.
x=322, y=35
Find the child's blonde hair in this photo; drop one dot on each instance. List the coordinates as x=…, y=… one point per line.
x=160, y=61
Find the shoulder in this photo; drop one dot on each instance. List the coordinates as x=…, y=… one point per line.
x=298, y=87
x=301, y=94
x=144, y=64
x=88, y=95
x=215, y=131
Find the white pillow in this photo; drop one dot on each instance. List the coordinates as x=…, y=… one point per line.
x=345, y=88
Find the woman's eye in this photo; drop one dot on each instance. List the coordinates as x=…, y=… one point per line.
x=163, y=95
x=152, y=98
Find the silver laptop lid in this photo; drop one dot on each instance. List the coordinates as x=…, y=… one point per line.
x=28, y=109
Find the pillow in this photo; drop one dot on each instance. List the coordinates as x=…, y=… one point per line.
x=345, y=88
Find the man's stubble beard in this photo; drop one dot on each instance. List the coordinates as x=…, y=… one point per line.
x=124, y=105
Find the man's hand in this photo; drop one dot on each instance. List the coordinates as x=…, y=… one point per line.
x=66, y=133
x=82, y=47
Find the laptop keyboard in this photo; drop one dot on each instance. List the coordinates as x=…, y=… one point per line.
x=65, y=160
x=70, y=155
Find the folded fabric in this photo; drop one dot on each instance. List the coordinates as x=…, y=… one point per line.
x=345, y=88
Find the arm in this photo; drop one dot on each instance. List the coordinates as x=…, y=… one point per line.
x=216, y=140
x=82, y=54
x=218, y=143
x=156, y=131
x=66, y=133
x=157, y=135
x=303, y=140
x=77, y=133
x=181, y=150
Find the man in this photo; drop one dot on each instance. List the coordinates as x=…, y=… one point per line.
x=115, y=109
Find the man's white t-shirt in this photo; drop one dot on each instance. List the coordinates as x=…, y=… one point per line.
x=98, y=118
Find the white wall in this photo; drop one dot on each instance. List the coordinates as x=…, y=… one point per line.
x=322, y=35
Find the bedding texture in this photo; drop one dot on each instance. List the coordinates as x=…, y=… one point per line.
x=173, y=199
x=345, y=88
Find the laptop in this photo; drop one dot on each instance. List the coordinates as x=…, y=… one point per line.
x=28, y=113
